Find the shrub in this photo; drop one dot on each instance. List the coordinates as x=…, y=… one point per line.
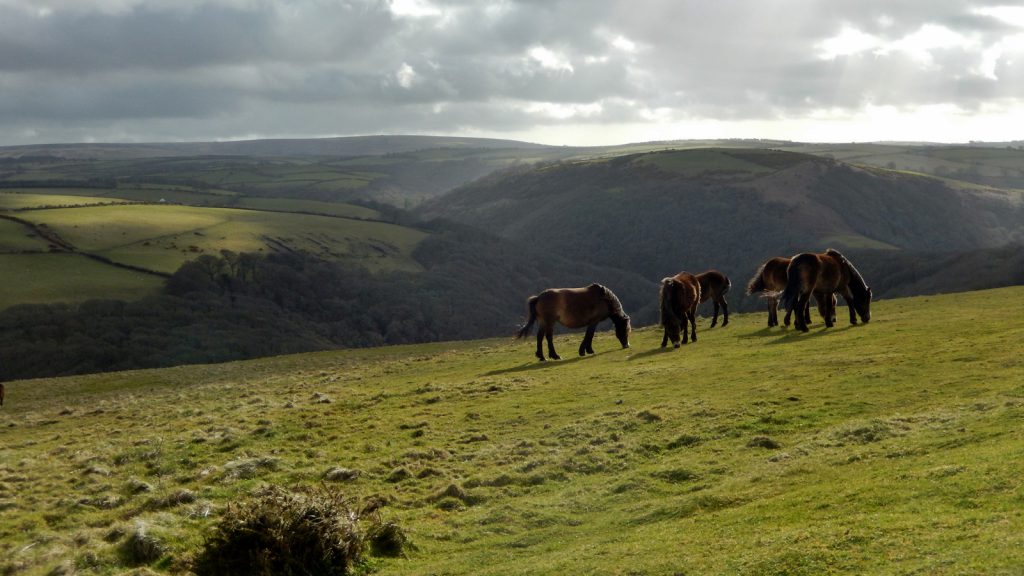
x=141, y=546
x=296, y=532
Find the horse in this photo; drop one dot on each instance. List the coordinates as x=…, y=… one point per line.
x=824, y=275
x=575, y=308
x=714, y=286
x=1, y=394
x=770, y=281
x=679, y=297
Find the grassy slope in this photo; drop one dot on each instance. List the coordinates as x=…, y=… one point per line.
x=62, y=277
x=900, y=449
x=162, y=237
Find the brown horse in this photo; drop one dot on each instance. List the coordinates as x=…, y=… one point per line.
x=679, y=297
x=575, y=308
x=714, y=286
x=770, y=281
x=824, y=275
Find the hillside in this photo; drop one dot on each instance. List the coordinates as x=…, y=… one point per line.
x=896, y=450
x=660, y=212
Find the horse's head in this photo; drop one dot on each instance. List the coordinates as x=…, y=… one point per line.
x=622, y=330
x=863, y=305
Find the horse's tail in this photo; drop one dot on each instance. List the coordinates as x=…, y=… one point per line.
x=756, y=283
x=728, y=285
x=531, y=305
x=669, y=318
x=794, y=284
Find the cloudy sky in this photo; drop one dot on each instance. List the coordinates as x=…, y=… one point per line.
x=552, y=71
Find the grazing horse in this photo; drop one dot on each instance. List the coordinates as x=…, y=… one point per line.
x=824, y=275
x=770, y=281
x=679, y=297
x=575, y=308
x=714, y=286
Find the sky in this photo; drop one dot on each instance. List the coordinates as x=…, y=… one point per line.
x=582, y=72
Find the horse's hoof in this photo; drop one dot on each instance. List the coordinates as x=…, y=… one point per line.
x=591, y=352
x=554, y=356
x=676, y=345
x=541, y=358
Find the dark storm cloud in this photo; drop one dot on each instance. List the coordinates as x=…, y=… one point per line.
x=128, y=69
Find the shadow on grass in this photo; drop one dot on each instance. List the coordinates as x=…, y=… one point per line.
x=534, y=365
x=816, y=332
x=655, y=351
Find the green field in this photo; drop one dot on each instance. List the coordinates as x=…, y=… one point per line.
x=22, y=200
x=16, y=237
x=63, y=277
x=309, y=207
x=162, y=237
x=892, y=448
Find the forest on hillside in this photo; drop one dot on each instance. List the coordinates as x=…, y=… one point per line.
x=235, y=306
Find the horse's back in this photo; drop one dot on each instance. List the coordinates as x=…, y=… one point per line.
x=713, y=282
x=573, y=307
x=689, y=288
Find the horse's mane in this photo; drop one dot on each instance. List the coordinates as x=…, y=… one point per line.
x=857, y=283
x=614, y=306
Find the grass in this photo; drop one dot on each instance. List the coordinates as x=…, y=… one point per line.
x=64, y=277
x=16, y=237
x=309, y=207
x=893, y=447
x=162, y=237
x=21, y=200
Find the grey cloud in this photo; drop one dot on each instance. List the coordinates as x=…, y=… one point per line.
x=217, y=69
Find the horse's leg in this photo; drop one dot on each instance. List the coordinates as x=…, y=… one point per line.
x=802, y=301
x=664, y=338
x=807, y=310
x=540, y=342
x=587, y=346
x=693, y=326
x=725, y=311
x=685, y=335
x=789, y=312
x=848, y=296
x=551, y=345
x=824, y=304
x=714, y=319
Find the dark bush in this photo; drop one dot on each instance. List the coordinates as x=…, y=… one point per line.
x=296, y=532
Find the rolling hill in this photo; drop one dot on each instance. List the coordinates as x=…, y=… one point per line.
x=659, y=212
x=896, y=449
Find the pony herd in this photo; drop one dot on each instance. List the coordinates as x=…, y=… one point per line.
x=789, y=281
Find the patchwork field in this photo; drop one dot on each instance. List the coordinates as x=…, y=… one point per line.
x=893, y=447
x=161, y=237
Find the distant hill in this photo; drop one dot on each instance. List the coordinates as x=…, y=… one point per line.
x=660, y=212
x=344, y=146
x=341, y=146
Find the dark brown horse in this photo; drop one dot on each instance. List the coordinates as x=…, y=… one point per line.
x=825, y=275
x=679, y=297
x=575, y=308
x=714, y=286
x=770, y=281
